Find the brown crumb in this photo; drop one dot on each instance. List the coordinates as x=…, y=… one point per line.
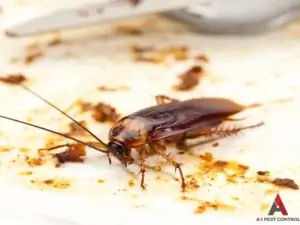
x=130, y=183
x=59, y=184
x=216, y=144
x=33, y=161
x=189, y=79
x=85, y=106
x=13, y=79
x=285, y=182
x=104, y=113
x=220, y=163
x=141, y=49
x=75, y=129
x=202, y=58
x=109, y=89
x=74, y=153
x=55, y=41
x=263, y=173
x=212, y=205
x=148, y=54
x=32, y=56
x=100, y=181
x=207, y=156
x=192, y=184
x=135, y=2
x=128, y=30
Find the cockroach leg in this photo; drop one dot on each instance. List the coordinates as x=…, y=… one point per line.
x=162, y=99
x=143, y=156
x=226, y=132
x=161, y=151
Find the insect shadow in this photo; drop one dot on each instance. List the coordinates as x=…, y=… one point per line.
x=148, y=130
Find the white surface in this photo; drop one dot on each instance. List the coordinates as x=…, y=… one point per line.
x=102, y=57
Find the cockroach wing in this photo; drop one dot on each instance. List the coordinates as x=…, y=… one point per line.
x=194, y=115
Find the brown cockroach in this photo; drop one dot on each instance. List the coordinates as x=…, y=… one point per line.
x=148, y=128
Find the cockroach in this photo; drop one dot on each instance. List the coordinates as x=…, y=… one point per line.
x=147, y=129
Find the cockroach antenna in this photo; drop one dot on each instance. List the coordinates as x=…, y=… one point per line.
x=58, y=133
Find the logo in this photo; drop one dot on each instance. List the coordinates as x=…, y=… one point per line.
x=277, y=206
x=278, y=212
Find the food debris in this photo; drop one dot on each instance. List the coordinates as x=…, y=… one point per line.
x=4, y=149
x=141, y=49
x=150, y=54
x=100, y=181
x=84, y=106
x=202, y=58
x=216, y=144
x=285, y=182
x=26, y=173
x=32, y=161
x=207, y=156
x=59, y=183
x=130, y=183
x=128, y=30
x=192, y=184
x=33, y=52
x=109, y=89
x=75, y=129
x=55, y=41
x=74, y=153
x=212, y=205
x=13, y=79
x=102, y=112
x=135, y=2
x=264, y=176
x=189, y=79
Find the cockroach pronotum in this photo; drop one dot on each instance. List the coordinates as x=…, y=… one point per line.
x=147, y=129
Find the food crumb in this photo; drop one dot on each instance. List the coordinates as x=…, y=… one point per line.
x=59, y=184
x=26, y=173
x=212, y=205
x=13, y=79
x=128, y=30
x=202, y=58
x=216, y=144
x=109, y=89
x=33, y=52
x=4, y=149
x=285, y=182
x=84, y=106
x=104, y=113
x=75, y=129
x=192, y=184
x=130, y=183
x=189, y=79
x=150, y=54
x=207, y=156
x=100, y=181
x=55, y=41
x=33, y=161
x=74, y=153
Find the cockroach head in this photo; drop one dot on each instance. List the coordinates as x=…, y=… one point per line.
x=120, y=152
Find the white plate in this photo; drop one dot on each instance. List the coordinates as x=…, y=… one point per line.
x=98, y=57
